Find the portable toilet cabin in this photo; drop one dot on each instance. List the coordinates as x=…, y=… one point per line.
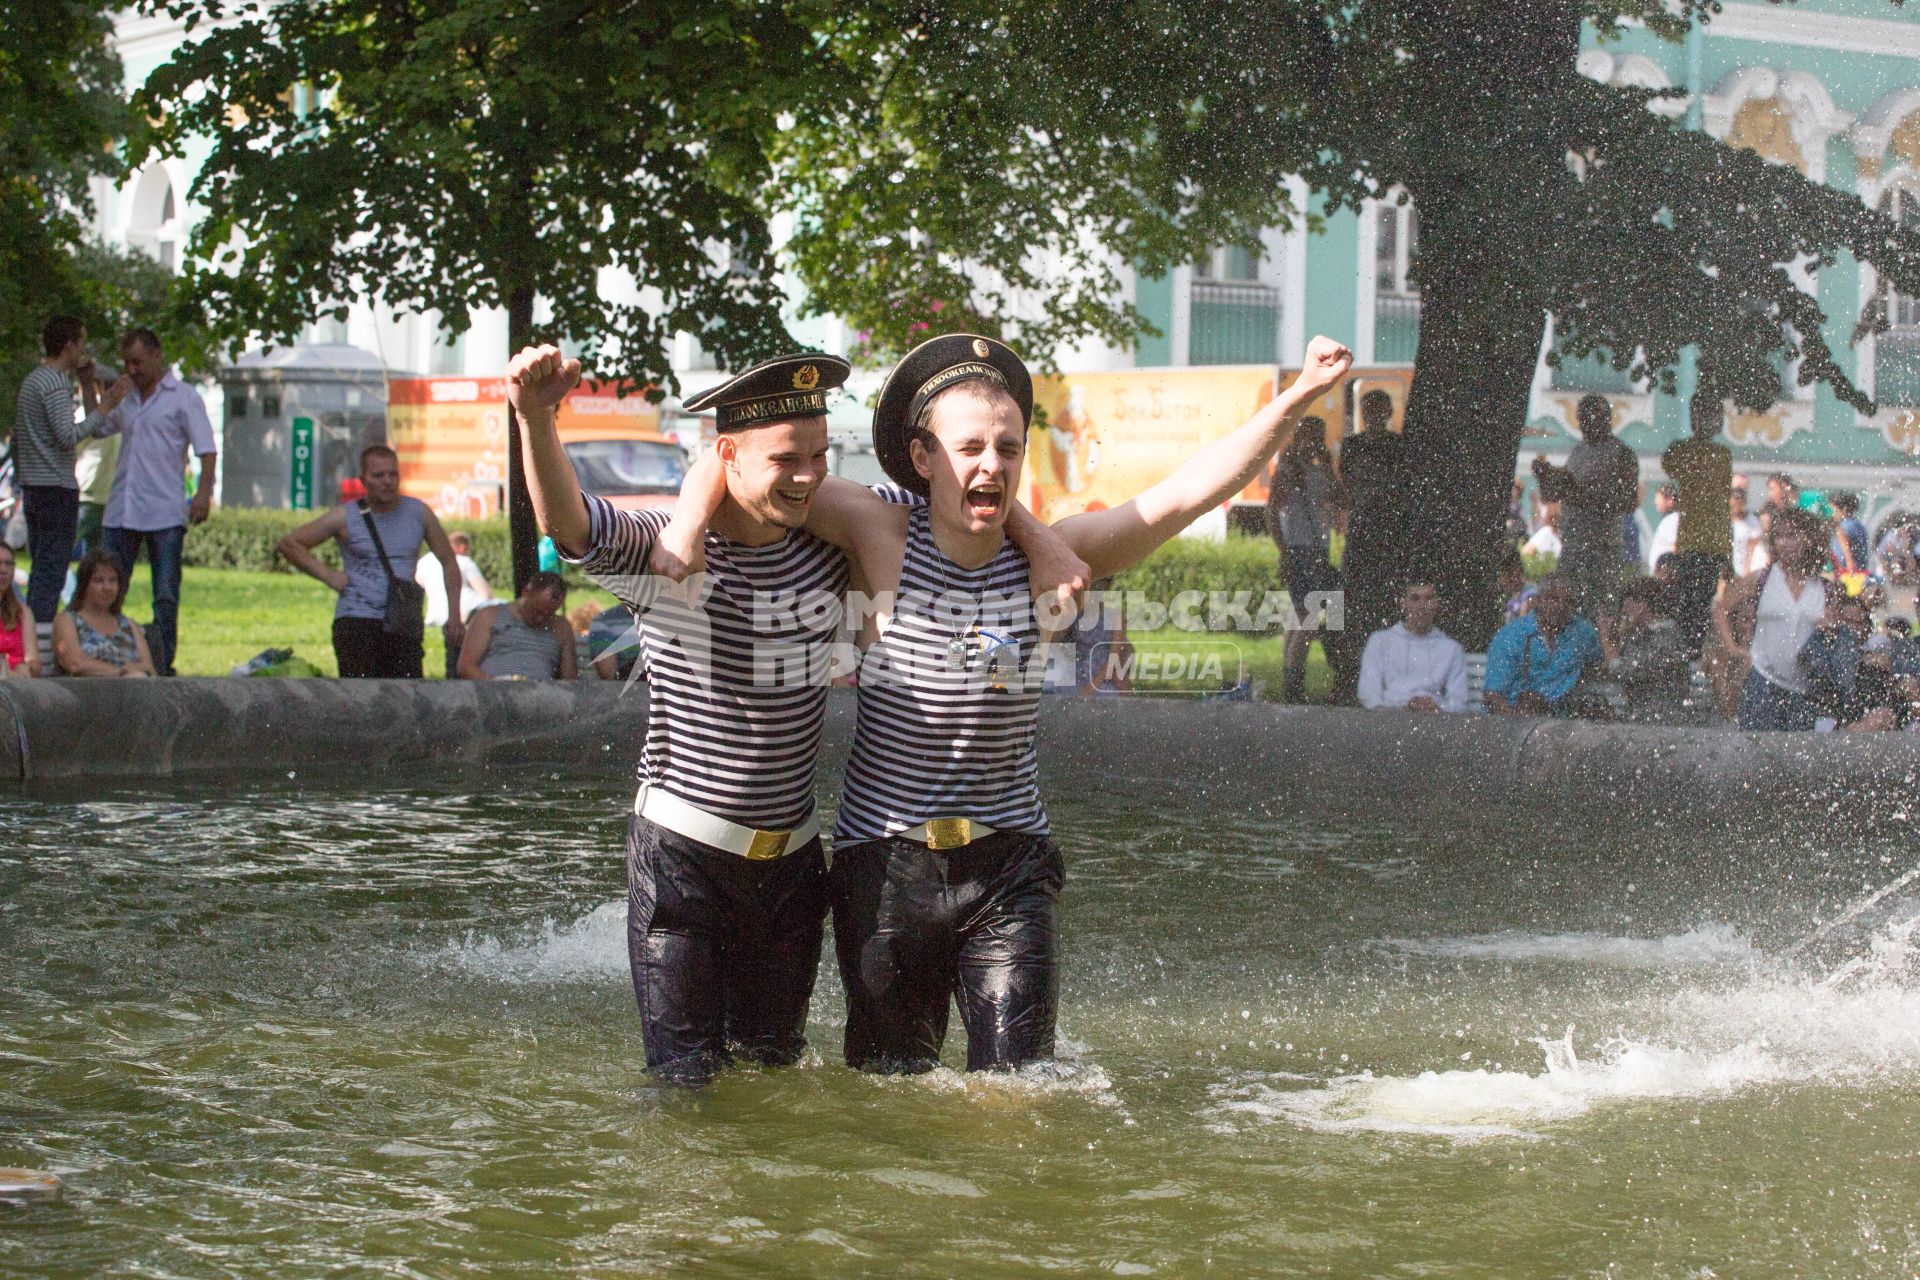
x=296, y=420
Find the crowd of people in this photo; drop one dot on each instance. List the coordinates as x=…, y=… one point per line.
x=1775, y=618
x=134, y=434
x=1773, y=621
x=103, y=483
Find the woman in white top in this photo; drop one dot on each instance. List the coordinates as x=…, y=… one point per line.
x=476, y=593
x=1785, y=602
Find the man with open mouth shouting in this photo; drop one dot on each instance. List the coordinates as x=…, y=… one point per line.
x=944, y=879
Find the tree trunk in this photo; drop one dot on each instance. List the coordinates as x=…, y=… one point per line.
x=523, y=534
x=1465, y=415
x=1483, y=312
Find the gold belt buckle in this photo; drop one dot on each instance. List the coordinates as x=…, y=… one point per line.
x=949, y=833
x=767, y=845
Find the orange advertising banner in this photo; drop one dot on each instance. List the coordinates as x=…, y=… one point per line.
x=451, y=435
x=1110, y=435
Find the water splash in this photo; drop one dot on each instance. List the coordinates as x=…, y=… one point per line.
x=1070, y=1073
x=1858, y=1028
x=1891, y=958
x=590, y=948
x=1707, y=944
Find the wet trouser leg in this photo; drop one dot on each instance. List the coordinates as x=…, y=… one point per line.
x=892, y=940
x=723, y=950
x=915, y=929
x=1008, y=982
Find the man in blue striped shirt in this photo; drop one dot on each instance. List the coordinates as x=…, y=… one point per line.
x=45, y=435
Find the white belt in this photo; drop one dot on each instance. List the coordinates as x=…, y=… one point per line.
x=681, y=818
x=948, y=833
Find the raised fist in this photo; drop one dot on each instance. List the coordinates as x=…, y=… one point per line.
x=1326, y=363
x=539, y=378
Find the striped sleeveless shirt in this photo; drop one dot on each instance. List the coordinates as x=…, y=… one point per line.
x=738, y=682
x=933, y=742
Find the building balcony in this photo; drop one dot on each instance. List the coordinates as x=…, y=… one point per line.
x=1233, y=323
x=1396, y=327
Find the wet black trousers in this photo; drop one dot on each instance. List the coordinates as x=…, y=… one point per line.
x=724, y=950
x=916, y=929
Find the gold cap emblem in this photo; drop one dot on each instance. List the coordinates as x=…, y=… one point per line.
x=980, y=347
x=806, y=378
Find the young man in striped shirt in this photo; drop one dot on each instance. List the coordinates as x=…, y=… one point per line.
x=726, y=876
x=945, y=880
x=45, y=436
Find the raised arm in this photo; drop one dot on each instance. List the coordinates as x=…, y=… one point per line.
x=538, y=379
x=1123, y=536
x=57, y=404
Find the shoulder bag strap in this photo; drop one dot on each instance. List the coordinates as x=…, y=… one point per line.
x=374, y=532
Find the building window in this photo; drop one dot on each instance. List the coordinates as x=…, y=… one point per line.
x=1232, y=317
x=1396, y=298
x=155, y=224
x=1896, y=352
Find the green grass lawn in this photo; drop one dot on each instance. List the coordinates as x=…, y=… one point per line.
x=1260, y=657
x=229, y=615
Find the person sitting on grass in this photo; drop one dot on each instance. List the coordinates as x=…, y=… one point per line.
x=93, y=637
x=19, y=645
x=525, y=640
x=1535, y=663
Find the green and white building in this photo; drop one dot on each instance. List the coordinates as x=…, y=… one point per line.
x=1831, y=87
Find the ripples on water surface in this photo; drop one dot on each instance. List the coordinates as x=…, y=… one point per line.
x=289, y=1031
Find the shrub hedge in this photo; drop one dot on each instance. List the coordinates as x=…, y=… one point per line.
x=1237, y=563
x=239, y=538
x=244, y=538
x=1240, y=563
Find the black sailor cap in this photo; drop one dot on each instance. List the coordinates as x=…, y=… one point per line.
x=924, y=373
x=774, y=390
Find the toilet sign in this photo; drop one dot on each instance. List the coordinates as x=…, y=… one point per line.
x=300, y=484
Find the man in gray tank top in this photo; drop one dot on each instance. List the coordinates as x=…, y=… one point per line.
x=364, y=642
x=526, y=639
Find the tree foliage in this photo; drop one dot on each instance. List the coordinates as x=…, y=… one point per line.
x=446, y=155
x=1009, y=158
x=61, y=112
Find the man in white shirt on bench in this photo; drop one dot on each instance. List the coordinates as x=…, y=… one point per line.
x=1413, y=665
